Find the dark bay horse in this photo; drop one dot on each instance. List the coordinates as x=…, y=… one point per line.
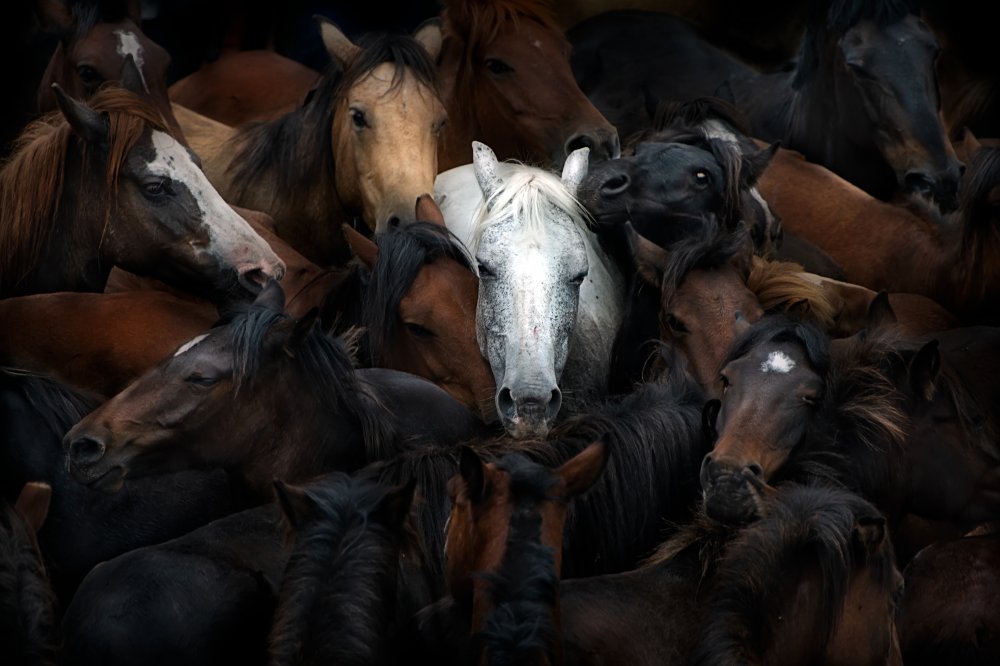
x=506, y=81
x=876, y=58
x=265, y=396
x=102, y=184
x=363, y=143
x=812, y=581
x=338, y=597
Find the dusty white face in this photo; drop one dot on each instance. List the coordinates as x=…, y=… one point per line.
x=186, y=203
x=128, y=44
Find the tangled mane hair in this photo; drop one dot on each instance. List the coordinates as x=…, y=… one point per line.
x=32, y=180
x=780, y=287
x=713, y=248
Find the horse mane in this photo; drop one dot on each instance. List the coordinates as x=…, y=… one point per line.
x=525, y=587
x=977, y=228
x=62, y=405
x=698, y=111
x=325, y=361
x=32, y=178
x=402, y=254
x=337, y=592
x=714, y=247
x=811, y=522
x=28, y=620
x=779, y=286
x=295, y=148
x=526, y=194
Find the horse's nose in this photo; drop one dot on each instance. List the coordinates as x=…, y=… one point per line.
x=603, y=144
x=86, y=450
x=615, y=184
x=540, y=406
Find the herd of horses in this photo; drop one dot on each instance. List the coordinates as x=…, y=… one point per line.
x=500, y=343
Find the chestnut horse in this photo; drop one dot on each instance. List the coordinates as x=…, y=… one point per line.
x=104, y=184
x=813, y=581
x=265, y=396
x=876, y=58
x=363, y=143
x=506, y=81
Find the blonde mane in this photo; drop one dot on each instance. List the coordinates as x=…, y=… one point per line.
x=32, y=179
x=780, y=287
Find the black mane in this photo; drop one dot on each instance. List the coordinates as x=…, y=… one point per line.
x=295, y=148
x=402, y=253
x=713, y=248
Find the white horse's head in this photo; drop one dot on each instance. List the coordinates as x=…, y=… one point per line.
x=532, y=259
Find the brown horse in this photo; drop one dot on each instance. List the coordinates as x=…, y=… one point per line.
x=812, y=581
x=504, y=549
x=95, y=40
x=505, y=76
x=886, y=247
x=105, y=184
x=363, y=143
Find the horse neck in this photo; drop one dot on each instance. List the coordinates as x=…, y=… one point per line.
x=976, y=268
x=462, y=126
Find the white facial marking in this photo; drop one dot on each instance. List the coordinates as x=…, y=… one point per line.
x=231, y=239
x=188, y=345
x=779, y=362
x=537, y=44
x=129, y=45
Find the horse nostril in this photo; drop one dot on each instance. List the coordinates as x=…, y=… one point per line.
x=254, y=279
x=555, y=402
x=756, y=470
x=393, y=222
x=580, y=141
x=615, y=185
x=505, y=403
x=86, y=450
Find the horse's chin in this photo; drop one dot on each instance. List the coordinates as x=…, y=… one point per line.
x=109, y=481
x=732, y=508
x=520, y=428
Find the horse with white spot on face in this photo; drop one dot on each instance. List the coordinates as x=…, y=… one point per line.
x=550, y=300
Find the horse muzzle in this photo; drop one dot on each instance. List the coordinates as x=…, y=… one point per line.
x=528, y=413
x=732, y=494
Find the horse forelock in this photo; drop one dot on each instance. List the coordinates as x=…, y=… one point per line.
x=780, y=284
x=840, y=15
x=32, y=180
x=529, y=195
x=801, y=522
x=714, y=248
x=781, y=328
x=333, y=594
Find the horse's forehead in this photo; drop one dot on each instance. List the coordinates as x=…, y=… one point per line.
x=554, y=238
x=381, y=85
x=190, y=344
x=529, y=38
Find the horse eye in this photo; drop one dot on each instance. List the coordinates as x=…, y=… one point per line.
x=201, y=380
x=156, y=188
x=858, y=70
x=358, y=118
x=675, y=325
x=725, y=383
x=439, y=125
x=89, y=75
x=418, y=330
x=702, y=177
x=810, y=399
x=485, y=271
x=578, y=279
x=498, y=66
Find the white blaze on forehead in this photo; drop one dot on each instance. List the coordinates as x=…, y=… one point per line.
x=777, y=361
x=191, y=343
x=231, y=239
x=128, y=44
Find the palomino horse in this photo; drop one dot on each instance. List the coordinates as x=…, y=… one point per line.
x=550, y=299
x=363, y=143
x=876, y=58
x=95, y=40
x=105, y=184
x=207, y=404
x=504, y=549
x=505, y=76
x=338, y=596
x=812, y=582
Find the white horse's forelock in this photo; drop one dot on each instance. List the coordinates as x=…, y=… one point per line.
x=527, y=194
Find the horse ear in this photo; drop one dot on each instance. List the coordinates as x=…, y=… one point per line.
x=427, y=210
x=880, y=312
x=756, y=164
x=429, y=35
x=486, y=167
x=272, y=297
x=581, y=471
x=88, y=124
x=33, y=503
x=870, y=533
x=650, y=259
x=364, y=248
x=395, y=506
x=924, y=369
x=295, y=503
x=340, y=48
x=575, y=169
x=471, y=467
x=55, y=16
x=131, y=77
x=709, y=417
x=970, y=144
x=303, y=327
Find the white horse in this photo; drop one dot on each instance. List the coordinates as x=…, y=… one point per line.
x=550, y=299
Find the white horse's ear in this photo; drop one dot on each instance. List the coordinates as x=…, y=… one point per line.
x=428, y=34
x=485, y=165
x=575, y=168
x=340, y=48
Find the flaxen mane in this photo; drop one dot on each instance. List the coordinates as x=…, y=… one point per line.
x=780, y=287
x=32, y=179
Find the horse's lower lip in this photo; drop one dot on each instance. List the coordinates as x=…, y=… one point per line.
x=109, y=482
